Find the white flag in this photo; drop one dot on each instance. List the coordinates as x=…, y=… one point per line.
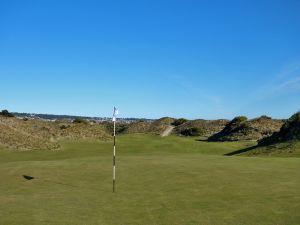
x=116, y=112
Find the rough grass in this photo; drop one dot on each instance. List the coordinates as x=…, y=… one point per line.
x=283, y=149
x=168, y=180
x=38, y=134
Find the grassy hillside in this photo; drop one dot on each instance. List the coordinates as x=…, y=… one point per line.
x=289, y=131
x=284, y=142
x=240, y=128
x=167, y=180
x=155, y=127
x=205, y=127
x=28, y=134
x=40, y=134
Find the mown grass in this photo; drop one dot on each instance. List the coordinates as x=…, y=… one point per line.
x=168, y=180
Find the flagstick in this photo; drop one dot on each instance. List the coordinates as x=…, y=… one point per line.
x=114, y=158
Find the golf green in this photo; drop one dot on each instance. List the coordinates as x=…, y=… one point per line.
x=170, y=180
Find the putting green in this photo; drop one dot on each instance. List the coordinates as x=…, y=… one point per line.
x=169, y=180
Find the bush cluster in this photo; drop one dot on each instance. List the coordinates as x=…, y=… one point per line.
x=266, y=117
x=80, y=120
x=239, y=119
x=63, y=126
x=178, y=122
x=193, y=131
x=6, y=113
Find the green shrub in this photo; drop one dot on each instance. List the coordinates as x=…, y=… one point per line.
x=266, y=117
x=193, y=131
x=245, y=125
x=178, y=122
x=80, y=120
x=239, y=119
x=6, y=113
x=295, y=118
x=63, y=127
x=121, y=128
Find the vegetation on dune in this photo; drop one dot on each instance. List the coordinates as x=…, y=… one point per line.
x=64, y=126
x=28, y=134
x=193, y=131
x=240, y=128
x=120, y=127
x=287, y=140
x=239, y=119
x=80, y=120
x=284, y=142
x=156, y=127
x=6, y=113
x=203, y=127
x=179, y=121
x=164, y=121
x=19, y=134
x=40, y=134
x=138, y=127
x=289, y=131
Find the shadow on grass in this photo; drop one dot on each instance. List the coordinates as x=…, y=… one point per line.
x=202, y=139
x=26, y=177
x=230, y=153
x=240, y=151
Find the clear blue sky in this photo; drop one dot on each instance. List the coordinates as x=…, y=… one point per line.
x=193, y=59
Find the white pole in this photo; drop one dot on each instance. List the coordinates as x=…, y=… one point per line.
x=114, y=157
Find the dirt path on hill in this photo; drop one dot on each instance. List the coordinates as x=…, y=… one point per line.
x=167, y=131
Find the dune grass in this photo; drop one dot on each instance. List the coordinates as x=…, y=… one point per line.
x=169, y=180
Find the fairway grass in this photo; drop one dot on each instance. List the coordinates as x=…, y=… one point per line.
x=168, y=180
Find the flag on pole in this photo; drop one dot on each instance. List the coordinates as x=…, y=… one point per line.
x=116, y=112
x=114, y=119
